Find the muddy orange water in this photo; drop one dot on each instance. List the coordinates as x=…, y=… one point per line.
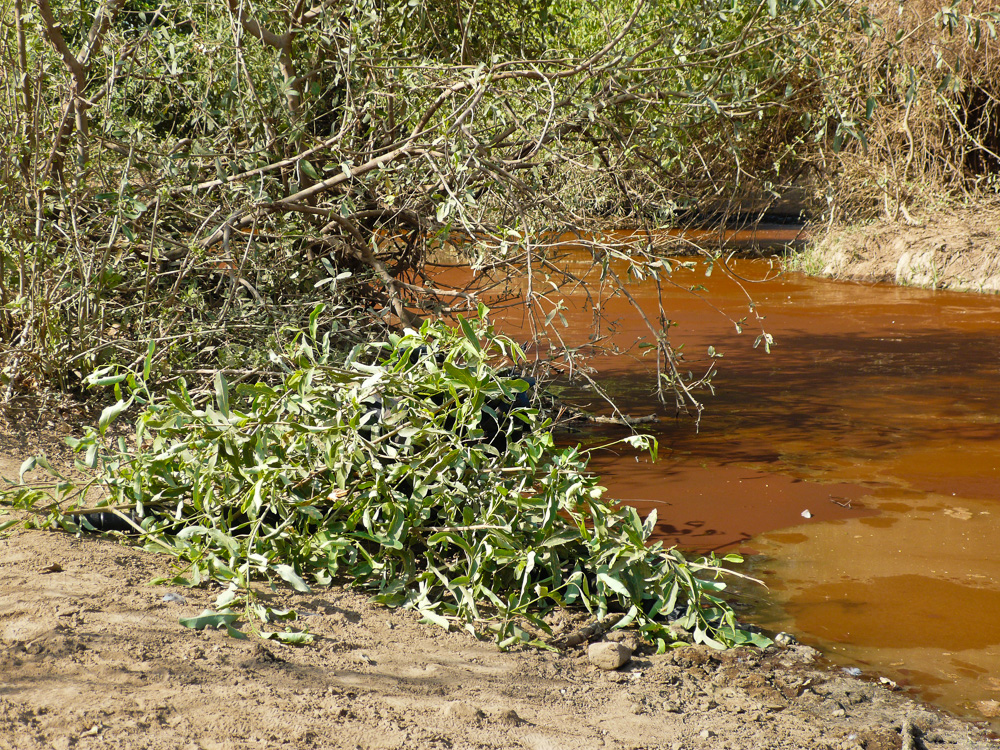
x=878, y=412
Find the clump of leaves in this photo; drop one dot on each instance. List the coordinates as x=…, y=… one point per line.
x=415, y=469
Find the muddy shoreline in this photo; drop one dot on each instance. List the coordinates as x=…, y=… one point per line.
x=91, y=656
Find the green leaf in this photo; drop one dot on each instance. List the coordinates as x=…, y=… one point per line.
x=614, y=584
x=461, y=374
x=209, y=619
x=291, y=637
x=181, y=402
x=4, y=525
x=269, y=614
x=433, y=617
x=107, y=380
x=838, y=141
x=234, y=633
x=309, y=169
x=222, y=393
x=293, y=579
x=702, y=636
x=649, y=525
x=148, y=362
x=469, y=334
x=111, y=413
x=225, y=541
x=628, y=619
x=869, y=107
x=28, y=465
x=314, y=319
x=227, y=597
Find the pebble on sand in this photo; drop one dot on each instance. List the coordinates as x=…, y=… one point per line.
x=607, y=655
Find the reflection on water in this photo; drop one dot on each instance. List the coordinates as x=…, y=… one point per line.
x=878, y=411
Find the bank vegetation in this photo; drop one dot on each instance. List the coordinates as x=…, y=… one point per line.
x=203, y=173
x=189, y=189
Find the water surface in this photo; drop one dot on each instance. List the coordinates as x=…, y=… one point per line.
x=877, y=415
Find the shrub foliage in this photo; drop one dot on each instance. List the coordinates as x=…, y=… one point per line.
x=376, y=471
x=190, y=171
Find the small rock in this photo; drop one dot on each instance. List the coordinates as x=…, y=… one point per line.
x=626, y=639
x=990, y=709
x=509, y=717
x=838, y=712
x=463, y=711
x=784, y=640
x=173, y=598
x=799, y=654
x=707, y=733
x=608, y=655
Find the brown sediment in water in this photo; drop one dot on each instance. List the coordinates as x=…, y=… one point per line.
x=878, y=411
x=918, y=598
x=710, y=507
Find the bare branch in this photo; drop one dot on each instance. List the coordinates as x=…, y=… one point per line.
x=53, y=32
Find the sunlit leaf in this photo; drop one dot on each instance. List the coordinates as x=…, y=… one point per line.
x=209, y=619
x=287, y=572
x=291, y=637
x=111, y=413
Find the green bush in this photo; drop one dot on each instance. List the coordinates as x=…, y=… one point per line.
x=375, y=471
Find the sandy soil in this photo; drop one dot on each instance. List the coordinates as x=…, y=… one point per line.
x=957, y=249
x=92, y=656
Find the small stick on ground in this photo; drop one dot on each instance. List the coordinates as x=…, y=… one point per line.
x=587, y=633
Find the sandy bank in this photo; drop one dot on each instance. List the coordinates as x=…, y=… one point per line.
x=955, y=249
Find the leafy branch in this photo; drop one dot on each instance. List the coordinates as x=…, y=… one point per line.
x=411, y=471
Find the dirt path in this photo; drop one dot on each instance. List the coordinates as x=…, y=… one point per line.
x=91, y=656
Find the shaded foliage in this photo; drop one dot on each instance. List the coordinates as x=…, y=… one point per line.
x=193, y=171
